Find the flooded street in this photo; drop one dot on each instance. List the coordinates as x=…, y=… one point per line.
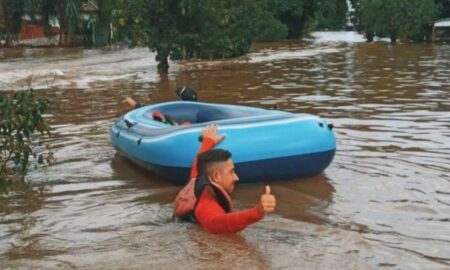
x=384, y=202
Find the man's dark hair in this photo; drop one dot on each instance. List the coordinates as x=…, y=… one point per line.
x=187, y=93
x=210, y=158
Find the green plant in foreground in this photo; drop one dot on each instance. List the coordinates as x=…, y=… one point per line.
x=21, y=122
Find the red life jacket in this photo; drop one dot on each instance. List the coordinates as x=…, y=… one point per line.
x=187, y=199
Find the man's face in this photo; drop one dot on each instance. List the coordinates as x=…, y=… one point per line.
x=225, y=176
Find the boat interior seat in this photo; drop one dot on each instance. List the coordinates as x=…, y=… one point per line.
x=201, y=114
x=209, y=114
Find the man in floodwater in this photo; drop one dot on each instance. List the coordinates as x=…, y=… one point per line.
x=215, y=178
x=185, y=93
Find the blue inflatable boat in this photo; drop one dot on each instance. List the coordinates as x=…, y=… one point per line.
x=266, y=145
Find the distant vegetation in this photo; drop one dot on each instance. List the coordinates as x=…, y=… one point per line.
x=21, y=125
x=197, y=28
x=405, y=19
x=207, y=29
x=332, y=15
x=177, y=29
x=185, y=29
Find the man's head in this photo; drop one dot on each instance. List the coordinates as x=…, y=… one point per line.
x=186, y=93
x=218, y=166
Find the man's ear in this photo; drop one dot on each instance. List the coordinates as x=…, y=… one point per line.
x=215, y=175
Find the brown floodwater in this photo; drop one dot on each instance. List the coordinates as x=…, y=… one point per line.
x=384, y=202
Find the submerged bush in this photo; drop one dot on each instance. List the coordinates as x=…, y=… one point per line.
x=21, y=123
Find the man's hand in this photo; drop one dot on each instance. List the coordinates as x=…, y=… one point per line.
x=130, y=101
x=267, y=203
x=211, y=132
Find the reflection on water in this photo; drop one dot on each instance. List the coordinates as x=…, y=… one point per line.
x=383, y=203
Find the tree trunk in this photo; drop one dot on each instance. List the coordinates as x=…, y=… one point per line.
x=8, y=11
x=369, y=36
x=163, y=65
x=62, y=23
x=393, y=38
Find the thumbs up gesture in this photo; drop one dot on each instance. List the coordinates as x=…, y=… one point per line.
x=267, y=202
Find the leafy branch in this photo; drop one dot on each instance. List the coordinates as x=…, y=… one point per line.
x=21, y=121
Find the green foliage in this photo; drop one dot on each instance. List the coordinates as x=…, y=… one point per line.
x=270, y=29
x=444, y=8
x=20, y=119
x=185, y=29
x=395, y=18
x=71, y=10
x=297, y=15
x=102, y=34
x=331, y=14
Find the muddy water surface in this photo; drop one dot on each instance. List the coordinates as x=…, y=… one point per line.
x=384, y=202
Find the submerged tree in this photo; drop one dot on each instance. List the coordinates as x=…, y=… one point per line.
x=297, y=15
x=331, y=14
x=20, y=122
x=395, y=18
x=191, y=28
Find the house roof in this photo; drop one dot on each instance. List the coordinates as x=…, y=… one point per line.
x=442, y=23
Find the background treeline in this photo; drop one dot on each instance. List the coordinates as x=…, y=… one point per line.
x=398, y=19
x=179, y=29
x=207, y=29
x=75, y=17
x=185, y=29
